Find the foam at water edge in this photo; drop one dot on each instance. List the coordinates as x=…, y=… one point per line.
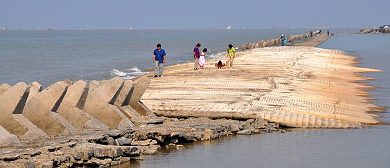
x=130, y=73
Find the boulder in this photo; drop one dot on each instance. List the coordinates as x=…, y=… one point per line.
x=260, y=123
x=38, y=109
x=78, y=118
x=123, y=141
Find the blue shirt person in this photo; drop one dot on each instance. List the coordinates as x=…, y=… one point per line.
x=159, y=54
x=158, y=60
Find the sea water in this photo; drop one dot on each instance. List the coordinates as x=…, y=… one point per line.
x=50, y=56
x=351, y=148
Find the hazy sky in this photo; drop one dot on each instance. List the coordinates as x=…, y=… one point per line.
x=183, y=14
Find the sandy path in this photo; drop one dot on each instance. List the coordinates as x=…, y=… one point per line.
x=296, y=86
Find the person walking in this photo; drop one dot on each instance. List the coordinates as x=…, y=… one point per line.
x=231, y=54
x=196, y=56
x=158, y=60
x=282, y=39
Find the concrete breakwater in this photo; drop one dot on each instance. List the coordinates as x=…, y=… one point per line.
x=29, y=112
x=276, y=41
x=104, y=123
x=375, y=31
x=100, y=123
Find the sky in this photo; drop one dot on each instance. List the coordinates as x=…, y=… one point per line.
x=196, y=14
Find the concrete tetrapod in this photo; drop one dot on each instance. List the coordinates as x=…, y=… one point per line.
x=140, y=87
x=78, y=118
x=6, y=138
x=4, y=87
x=122, y=100
x=39, y=108
x=97, y=104
x=17, y=124
x=8, y=102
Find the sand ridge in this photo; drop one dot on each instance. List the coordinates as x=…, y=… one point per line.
x=296, y=86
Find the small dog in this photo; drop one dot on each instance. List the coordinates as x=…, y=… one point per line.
x=219, y=64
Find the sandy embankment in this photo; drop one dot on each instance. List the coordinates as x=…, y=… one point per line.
x=297, y=86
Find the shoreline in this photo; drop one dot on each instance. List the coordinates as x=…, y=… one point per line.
x=149, y=134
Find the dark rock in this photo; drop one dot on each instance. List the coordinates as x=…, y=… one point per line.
x=260, y=123
x=173, y=140
x=107, y=151
x=131, y=151
x=246, y=132
x=187, y=136
x=272, y=126
x=30, y=164
x=77, y=156
x=141, y=143
x=110, y=141
x=10, y=157
x=53, y=148
x=123, y=141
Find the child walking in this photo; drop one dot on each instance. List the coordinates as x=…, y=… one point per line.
x=202, y=59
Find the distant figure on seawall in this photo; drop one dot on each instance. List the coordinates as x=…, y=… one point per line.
x=282, y=39
x=158, y=60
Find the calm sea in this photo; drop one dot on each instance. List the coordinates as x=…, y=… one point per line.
x=49, y=56
x=350, y=148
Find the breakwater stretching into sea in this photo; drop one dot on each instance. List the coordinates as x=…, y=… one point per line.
x=50, y=56
x=73, y=112
x=320, y=148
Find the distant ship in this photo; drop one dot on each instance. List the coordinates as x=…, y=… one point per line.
x=50, y=28
x=3, y=29
x=229, y=27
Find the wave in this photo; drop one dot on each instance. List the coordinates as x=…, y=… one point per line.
x=129, y=73
x=218, y=55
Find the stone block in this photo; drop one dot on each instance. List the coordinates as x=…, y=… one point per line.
x=125, y=94
x=78, y=118
x=6, y=138
x=97, y=104
x=38, y=109
x=139, y=89
x=8, y=102
x=4, y=87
